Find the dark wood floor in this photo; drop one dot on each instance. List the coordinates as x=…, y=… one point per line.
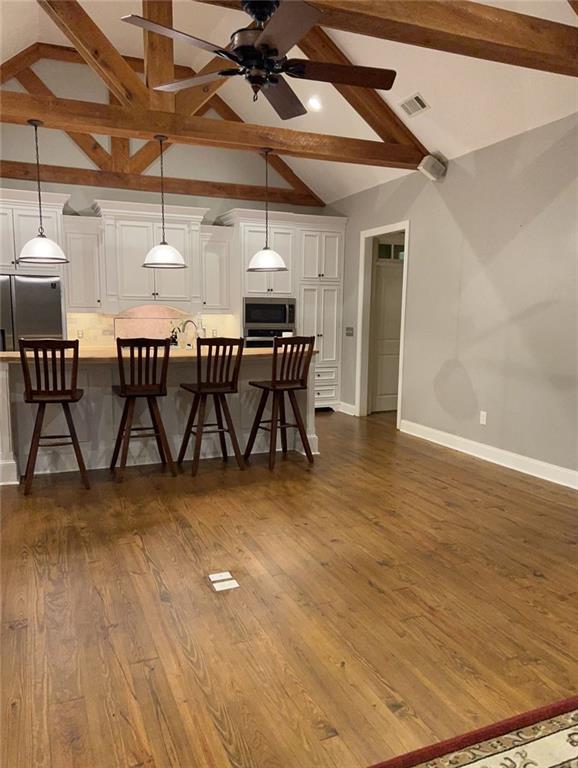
x=395, y=594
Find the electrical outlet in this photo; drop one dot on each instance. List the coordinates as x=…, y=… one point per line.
x=214, y=333
x=483, y=418
x=80, y=334
x=349, y=330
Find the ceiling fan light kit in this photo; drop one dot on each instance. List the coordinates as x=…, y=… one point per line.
x=259, y=55
x=163, y=256
x=40, y=249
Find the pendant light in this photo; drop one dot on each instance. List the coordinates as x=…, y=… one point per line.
x=267, y=260
x=41, y=249
x=163, y=256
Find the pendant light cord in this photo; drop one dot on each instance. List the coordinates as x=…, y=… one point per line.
x=161, y=140
x=267, y=198
x=35, y=124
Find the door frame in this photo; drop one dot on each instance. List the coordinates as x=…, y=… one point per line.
x=364, y=315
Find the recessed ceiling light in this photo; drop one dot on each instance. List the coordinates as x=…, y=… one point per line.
x=314, y=103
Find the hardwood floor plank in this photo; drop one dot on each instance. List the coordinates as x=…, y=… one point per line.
x=395, y=594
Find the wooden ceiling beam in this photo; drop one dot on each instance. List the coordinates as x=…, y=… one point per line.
x=59, y=175
x=23, y=59
x=84, y=141
x=456, y=26
x=159, y=58
x=148, y=153
x=366, y=102
x=97, y=51
x=87, y=117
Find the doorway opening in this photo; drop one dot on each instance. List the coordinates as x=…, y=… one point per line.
x=381, y=314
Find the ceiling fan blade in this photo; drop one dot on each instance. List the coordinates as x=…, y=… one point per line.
x=160, y=29
x=288, y=25
x=283, y=99
x=188, y=82
x=342, y=74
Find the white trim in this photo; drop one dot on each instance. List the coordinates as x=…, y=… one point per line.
x=364, y=315
x=8, y=472
x=319, y=222
x=525, y=464
x=121, y=209
x=25, y=198
x=347, y=408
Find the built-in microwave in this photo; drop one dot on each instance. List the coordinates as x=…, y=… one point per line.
x=269, y=313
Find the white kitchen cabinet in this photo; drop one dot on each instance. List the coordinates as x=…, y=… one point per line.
x=281, y=239
x=321, y=255
x=172, y=285
x=7, y=259
x=134, y=239
x=215, y=271
x=320, y=316
x=82, y=245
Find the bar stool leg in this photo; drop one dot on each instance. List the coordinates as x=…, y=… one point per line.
x=119, y=435
x=130, y=401
x=31, y=463
x=274, y=419
x=256, y=423
x=219, y=415
x=157, y=433
x=232, y=433
x=199, y=435
x=188, y=429
x=282, y=421
x=301, y=426
x=160, y=428
x=76, y=445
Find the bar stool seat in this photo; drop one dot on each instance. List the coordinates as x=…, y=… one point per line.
x=55, y=377
x=291, y=361
x=217, y=377
x=143, y=374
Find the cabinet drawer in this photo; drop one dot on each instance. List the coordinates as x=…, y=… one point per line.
x=325, y=395
x=325, y=376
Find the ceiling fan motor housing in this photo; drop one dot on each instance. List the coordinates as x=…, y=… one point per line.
x=260, y=10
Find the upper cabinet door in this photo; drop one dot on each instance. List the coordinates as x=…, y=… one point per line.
x=134, y=239
x=331, y=262
x=310, y=255
x=256, y=283
x=7, y=260
x=174, y=285
x=82, y=271
x=329, y=324
x=26, y=227
x=282, y=242
x=215, y=271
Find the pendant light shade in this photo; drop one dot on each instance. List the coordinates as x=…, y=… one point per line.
x=267, y=260
x=163, y=256
x=41, y=249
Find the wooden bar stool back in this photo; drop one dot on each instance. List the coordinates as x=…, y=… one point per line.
x=143, y=367
x=50, y=370
x=218, y=364
x=291, y=362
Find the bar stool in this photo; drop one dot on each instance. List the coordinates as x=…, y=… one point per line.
x=221, y=374
x=55, y=378
x=143, y=367
x=291, y=360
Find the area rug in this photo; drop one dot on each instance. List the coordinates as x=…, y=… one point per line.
x=543, y=738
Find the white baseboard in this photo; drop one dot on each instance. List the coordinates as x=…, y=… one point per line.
x=8, y=473
x=525, y=464
x=347, y=408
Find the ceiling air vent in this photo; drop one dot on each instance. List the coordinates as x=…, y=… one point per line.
x=414, y=105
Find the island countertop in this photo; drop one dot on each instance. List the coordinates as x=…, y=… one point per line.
x=109, y=354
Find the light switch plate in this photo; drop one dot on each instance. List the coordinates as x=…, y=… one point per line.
x=349, y=330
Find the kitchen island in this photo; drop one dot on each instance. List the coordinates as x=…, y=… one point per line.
x=98, y=414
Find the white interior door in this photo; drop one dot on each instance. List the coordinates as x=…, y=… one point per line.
x=385, y=333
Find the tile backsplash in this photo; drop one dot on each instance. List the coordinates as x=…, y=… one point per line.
x=97, y=330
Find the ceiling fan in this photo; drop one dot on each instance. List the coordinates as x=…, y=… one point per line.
x=258, y=53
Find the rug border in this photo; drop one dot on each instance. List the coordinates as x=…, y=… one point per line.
x=491, y=731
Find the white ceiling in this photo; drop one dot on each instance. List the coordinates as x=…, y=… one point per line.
x=473, y=103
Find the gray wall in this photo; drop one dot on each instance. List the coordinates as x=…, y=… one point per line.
x=491, y=318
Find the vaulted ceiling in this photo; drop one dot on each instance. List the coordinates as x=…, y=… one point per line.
x=472, y=102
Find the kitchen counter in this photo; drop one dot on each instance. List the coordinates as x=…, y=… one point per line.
x=97, y=415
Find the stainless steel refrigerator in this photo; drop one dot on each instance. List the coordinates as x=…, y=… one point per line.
x=30, y=308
